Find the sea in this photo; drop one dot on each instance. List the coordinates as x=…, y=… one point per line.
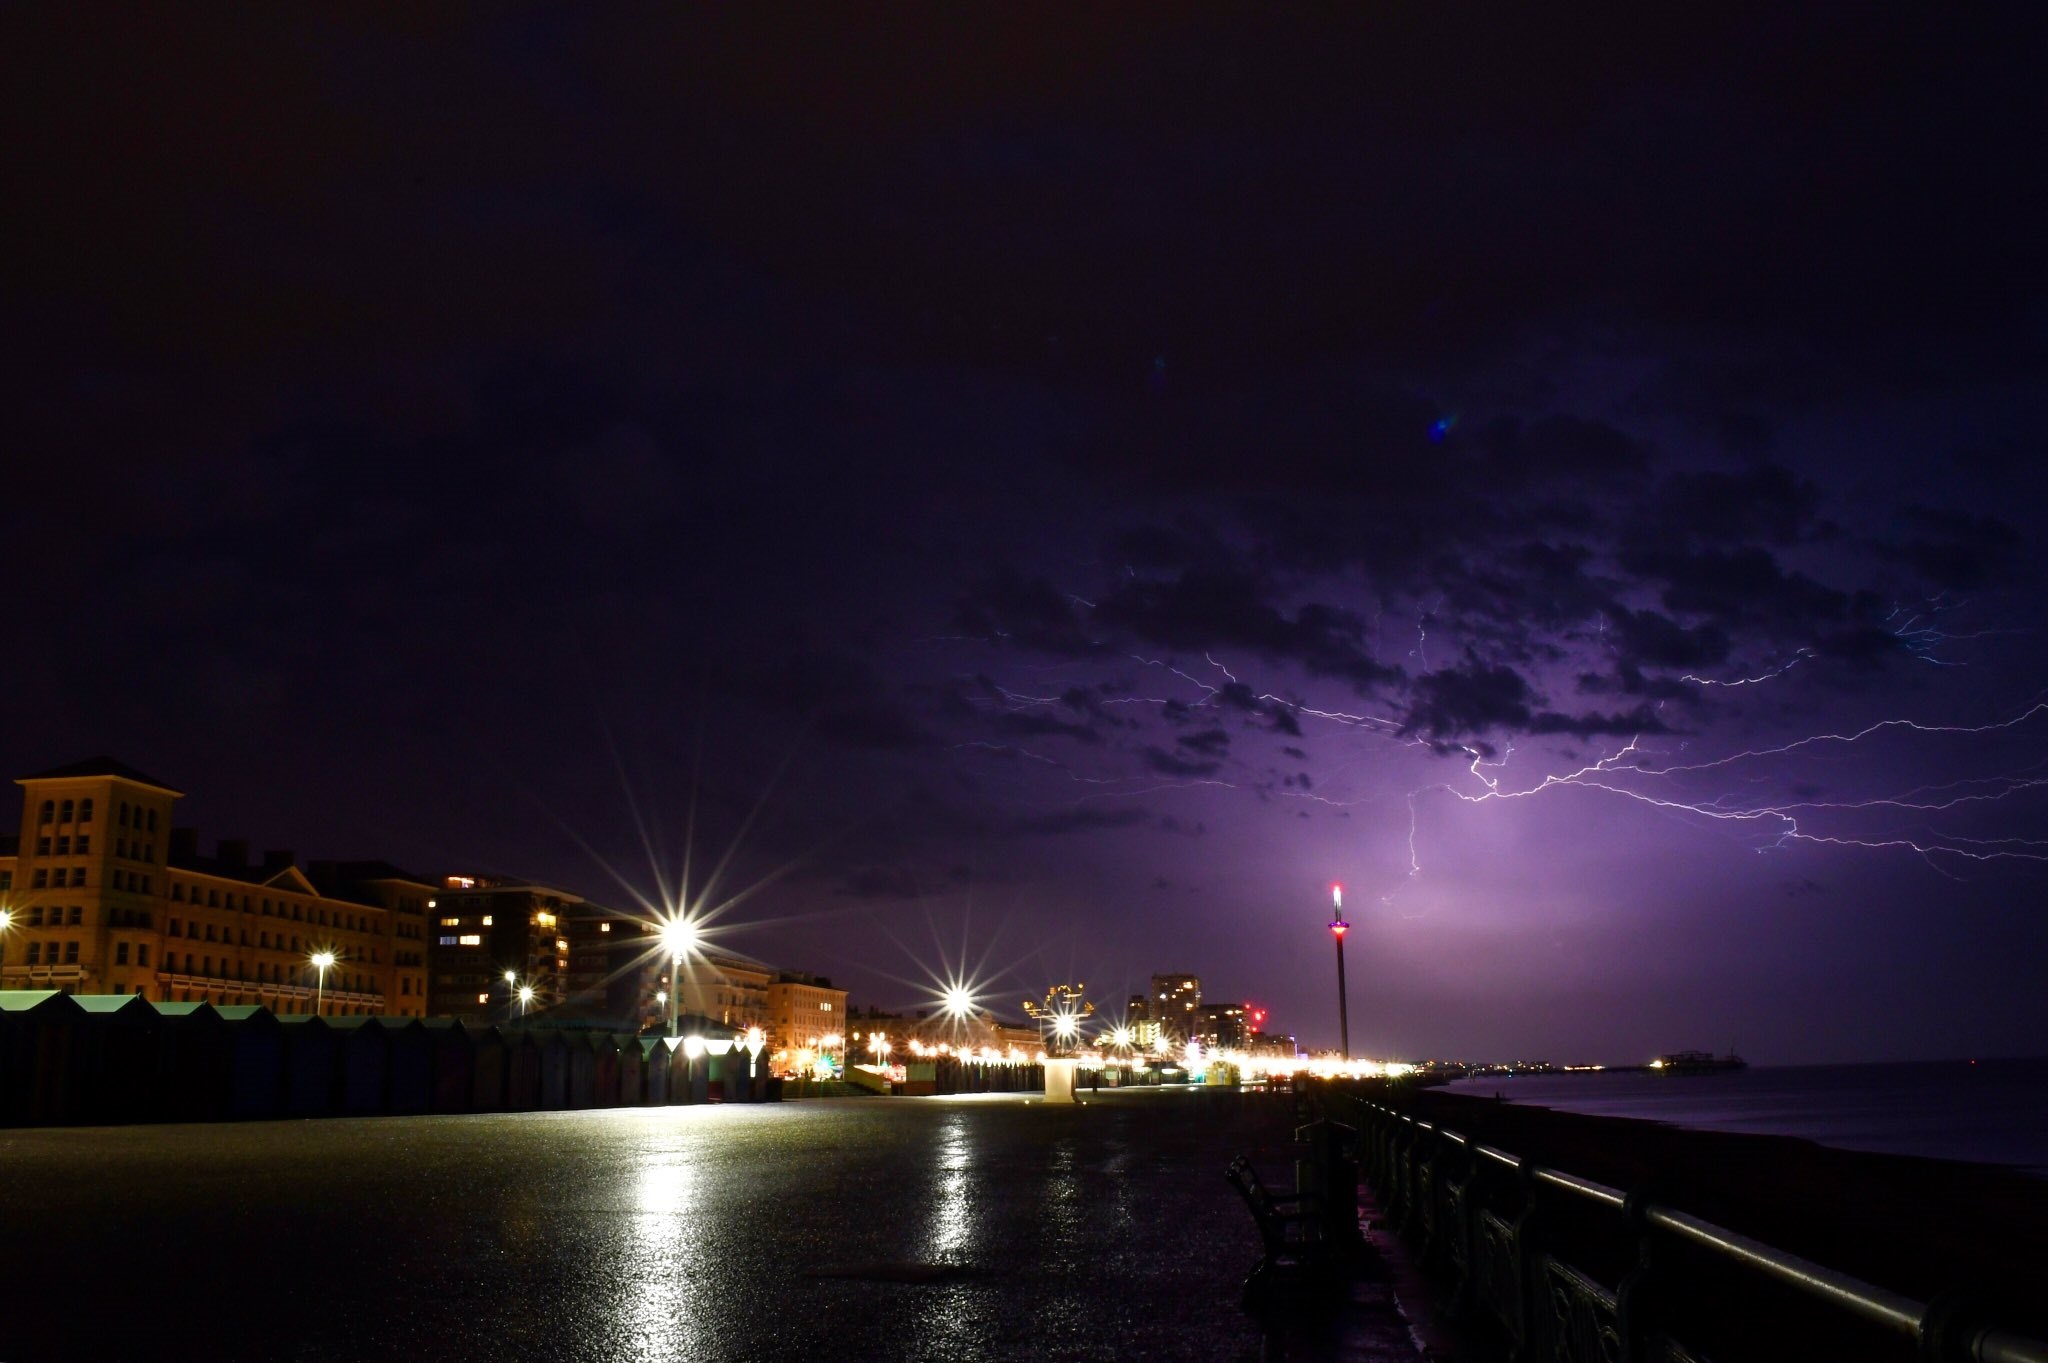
x=1987, y=1111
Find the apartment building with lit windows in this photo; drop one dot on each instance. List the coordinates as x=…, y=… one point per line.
x=105, y=896
x=1176, y=999
x=616, y=969
x=731, y=992
x=484, y=929
x=802, y=1011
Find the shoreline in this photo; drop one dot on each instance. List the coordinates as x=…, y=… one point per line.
x=1911, y=1223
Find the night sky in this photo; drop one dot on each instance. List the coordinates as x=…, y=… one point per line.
x=1052, y=495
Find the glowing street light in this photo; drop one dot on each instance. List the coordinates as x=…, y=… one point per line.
x=6, y=922
x=755, y=1039
x=525, y=998
x=678, y=938
x=878, y=1045
x=959, y=1002
x=323, y=961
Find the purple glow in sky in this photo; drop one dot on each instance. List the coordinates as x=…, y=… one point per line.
x=1090, y=488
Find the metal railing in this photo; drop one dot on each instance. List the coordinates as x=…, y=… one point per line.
x=1563, y=1268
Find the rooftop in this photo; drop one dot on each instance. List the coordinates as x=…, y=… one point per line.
x=97, y=766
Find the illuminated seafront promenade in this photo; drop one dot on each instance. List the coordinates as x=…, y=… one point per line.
x=971, y=1227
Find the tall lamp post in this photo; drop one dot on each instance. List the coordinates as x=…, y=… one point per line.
x=323, y=961
x=677, y=937
x=1338, y=927
x=6, y=922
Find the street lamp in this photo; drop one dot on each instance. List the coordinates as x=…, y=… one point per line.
x=878, y=1045
x=1338, y=927
x=755, y=1039
x=6, y=922
x=323, y=961
x=678, y=936
x=525, y=998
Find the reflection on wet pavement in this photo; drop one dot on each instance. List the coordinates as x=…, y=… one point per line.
x=952, y=1228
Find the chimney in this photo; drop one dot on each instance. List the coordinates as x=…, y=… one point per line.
x=232, y=854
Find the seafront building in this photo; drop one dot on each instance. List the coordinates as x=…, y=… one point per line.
x=1221, y=1026
x=616, y=970
x=107, y=896
x=1174, y=1003
x=805, y=1013
x=493, y=937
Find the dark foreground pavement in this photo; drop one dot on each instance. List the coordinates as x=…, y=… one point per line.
x=961, y=1228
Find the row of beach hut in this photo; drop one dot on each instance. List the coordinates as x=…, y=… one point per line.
x=88, y=1059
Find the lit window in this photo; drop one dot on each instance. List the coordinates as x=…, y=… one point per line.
x=483, y=998
x=445, y=941
x=451, y=922
x=487, y=920
x=470, y=939
x=604, y=927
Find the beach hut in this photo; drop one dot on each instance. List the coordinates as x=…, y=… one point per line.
x=493, y=1080
x=451, y=1065
x=253, y=1049
x=116, y=1076
x=632, y=1086
x=411, y=1083
x=522, y=1071
x=310, y=1062
x=654, y=1070
x=553, y=1055
x=41, y=1029
x=604, y=1063
x=580, y=1070
x=189, y=1079
x=363, y=1054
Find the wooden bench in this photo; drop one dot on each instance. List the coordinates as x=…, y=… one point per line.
x=1291, y=1229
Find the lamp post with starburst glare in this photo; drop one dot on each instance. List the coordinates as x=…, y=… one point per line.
x=678, y=936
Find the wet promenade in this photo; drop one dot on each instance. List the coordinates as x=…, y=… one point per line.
x=966, y=1228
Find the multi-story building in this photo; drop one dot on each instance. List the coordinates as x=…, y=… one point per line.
x=1175, y=999
x=1221, y=1025
x=616, y=970
x=803, y=1010
x=729, y=991
x=107, y=897
x=491, y=937
x=1143, y=1022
